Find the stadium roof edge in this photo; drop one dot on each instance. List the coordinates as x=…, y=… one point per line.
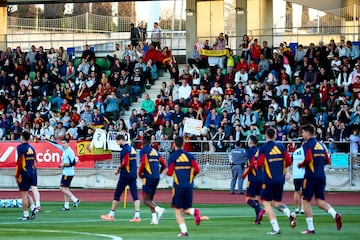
x=17, y=2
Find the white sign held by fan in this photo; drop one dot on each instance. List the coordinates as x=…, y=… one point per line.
x=193, y=126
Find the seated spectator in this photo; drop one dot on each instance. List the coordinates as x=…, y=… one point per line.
x=159, y=116
x=248, y=118
x=152, y=53
x=66, y=119
x=65, y=107
x=177, y=116
x=212, y=121
x=137, y=83
x=241, y=76
x=72, y=132
x=59, y=133
x=216, y=92
x=123, y=93
x=252, y=130
x=112, y=106
x=148, y=104
x=151, y=73
x=184, y=93
x=97, y=119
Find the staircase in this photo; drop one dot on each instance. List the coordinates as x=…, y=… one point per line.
x=153, y=92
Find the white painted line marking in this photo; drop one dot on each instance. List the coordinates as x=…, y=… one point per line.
x=67, y=232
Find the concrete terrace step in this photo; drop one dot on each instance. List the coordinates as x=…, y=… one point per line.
x=153, y=92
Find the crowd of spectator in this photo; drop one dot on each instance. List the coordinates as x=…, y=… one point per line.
x=234, y=95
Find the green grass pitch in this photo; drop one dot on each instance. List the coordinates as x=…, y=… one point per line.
x=226, y=222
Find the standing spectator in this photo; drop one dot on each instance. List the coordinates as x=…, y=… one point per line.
x=255, y=51
x=134, y=35
x=142, y=31
x=156, y=36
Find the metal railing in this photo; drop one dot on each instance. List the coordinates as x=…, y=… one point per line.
x=87, y=22
x=217, y=165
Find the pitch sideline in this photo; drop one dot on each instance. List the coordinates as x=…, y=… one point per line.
x=67, y=232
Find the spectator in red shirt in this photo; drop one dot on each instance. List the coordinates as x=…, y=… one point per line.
x=65, y=107
x=153, y=54
x=75, y=117
x=195, y=103
x=241, y=64
x=255, y=51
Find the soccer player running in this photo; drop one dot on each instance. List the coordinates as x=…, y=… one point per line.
x=274, y=159
x=151, y=166
x=26, y=177
x=316, y=157
x=183, y=167
x=68, y=172
x=255, y=180
x=298, y=177
x=128, y=171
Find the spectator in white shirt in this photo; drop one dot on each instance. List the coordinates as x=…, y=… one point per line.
x=184, y=93
x=241, y=76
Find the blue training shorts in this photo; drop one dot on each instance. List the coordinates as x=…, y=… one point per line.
x=272, y=191
x=120, y=187
x=149, y=186
x=313, y=187
x=27, y=179
x=66, y=181
x=182, y=198
x=253, y=188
